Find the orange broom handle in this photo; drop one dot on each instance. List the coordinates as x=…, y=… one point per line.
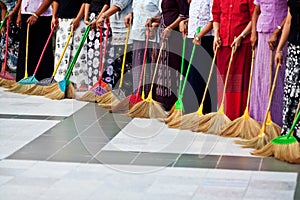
x=63, y=52
x=26, y=53
x=124, y=56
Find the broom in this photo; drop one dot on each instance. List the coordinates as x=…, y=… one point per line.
x=176, y=115
x=149, y=108
x=100, y=87
x=64, y=88
x=6, y=79
x=124, y=105
x=269, y=129
x=27, y=83
x=113, y=97
x=216, y=121
x=285, y=148
x=40, y=87
x=191, y=120
x=244, y=126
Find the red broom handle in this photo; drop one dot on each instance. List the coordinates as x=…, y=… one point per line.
x=44, y=50
x=143, y=65
x=104, y=53
x=6, y=46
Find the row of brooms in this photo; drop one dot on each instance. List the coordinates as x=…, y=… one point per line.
x=265, y=137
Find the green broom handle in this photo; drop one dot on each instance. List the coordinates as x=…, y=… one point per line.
x=3, y=21
x=296, y=120
x=182, y=64
x=189, y=66
x=69, y=71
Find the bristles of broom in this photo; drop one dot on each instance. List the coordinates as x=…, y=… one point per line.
x=70, y=91
x=256, y=143
x=105, y=98
x=88, y=96
x=8, y=83
x=217, y=123
x=54, y=92
x=138, y=110
x=177, y=115
x=241, y=127
x=203, y=124
x=122, y=107
x=20, y=88
x=265, y=151
x=187, y=122
x=289, y=153
x=109, y=105
x=273, y=130
x=38, y=90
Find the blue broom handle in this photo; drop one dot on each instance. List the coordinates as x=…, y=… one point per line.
x=70, y=68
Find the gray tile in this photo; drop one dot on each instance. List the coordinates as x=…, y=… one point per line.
x=198, y=161
x=31, y=117
x=240, y=163
x=115, y=157
x=271, y=164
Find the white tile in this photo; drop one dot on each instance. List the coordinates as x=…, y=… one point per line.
x=150, y=135
x=16, y=133
x=37, y=105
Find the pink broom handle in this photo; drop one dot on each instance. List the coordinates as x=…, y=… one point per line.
x=43, y=52
x=103, y=58
x=6, y=46
x=143, y=71
x=100, y=52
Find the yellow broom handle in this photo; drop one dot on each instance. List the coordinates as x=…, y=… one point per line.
x=227, y=76
x=250, y=78
x=271, y=94
x=124, y=56
x=156, y=66
x=209, y=76
x=63, y=52
x=26, y=53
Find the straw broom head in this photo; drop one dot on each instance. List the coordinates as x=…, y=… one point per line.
x=122, y=107
x=35, y=90
x=272, y=129
x=203, y=124
x=257, y=143
x=177, y=115
x=105, y=98
x=54, y=92
x=138, y=110
x=187, y=122
x=109, y=105
x=217, y=123
x=20, y=88
x=266, y=151
x=8, y=83
x=88, y=96
x=289, y=153
x=70, y=92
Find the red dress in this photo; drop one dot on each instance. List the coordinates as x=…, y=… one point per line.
x=233, y=16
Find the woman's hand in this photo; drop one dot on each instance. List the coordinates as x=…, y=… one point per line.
x=75, y=23
x=166, y=33
x=253, y=39
x=278, y=58
x=32, y=20
x=54, y=22
x=197, y=39
x=183, y=27
x=236, y=42
x=273, y=41
x=101, y=20
x=128, y=20
x=217, y=43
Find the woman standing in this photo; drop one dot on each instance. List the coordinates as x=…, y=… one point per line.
x=173, y=12
x=70, y=15
x=267, y=22
x=116, y=14
x=12, y=8
x=93, y=9
x=39, y=31
x=232, y=24
x=291, y=33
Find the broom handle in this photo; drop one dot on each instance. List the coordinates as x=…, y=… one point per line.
x=26, y=56
x=250, y=81
x=124, y=56
x=101, y=54
x=143, y=71
x=182, y=65
x=63, y=52
x=200, y=109
x=155, y=70
x=4, y=20
x=188, y=71
x=44, y=50
x=226, y=80
x=271, y=68
x=4, y=67
x=271, y=94
x=72, y=64
x=103, y=57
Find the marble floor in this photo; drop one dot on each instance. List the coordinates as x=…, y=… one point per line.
x=75, y=150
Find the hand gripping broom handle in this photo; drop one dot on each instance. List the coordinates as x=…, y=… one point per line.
x=63, y=52
x=44, y=50
x=143, y=71
x=124, y=56
x=200, y=109
x=4, y=67
x=70, y=68
x=26, y=56
x=103, y=54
